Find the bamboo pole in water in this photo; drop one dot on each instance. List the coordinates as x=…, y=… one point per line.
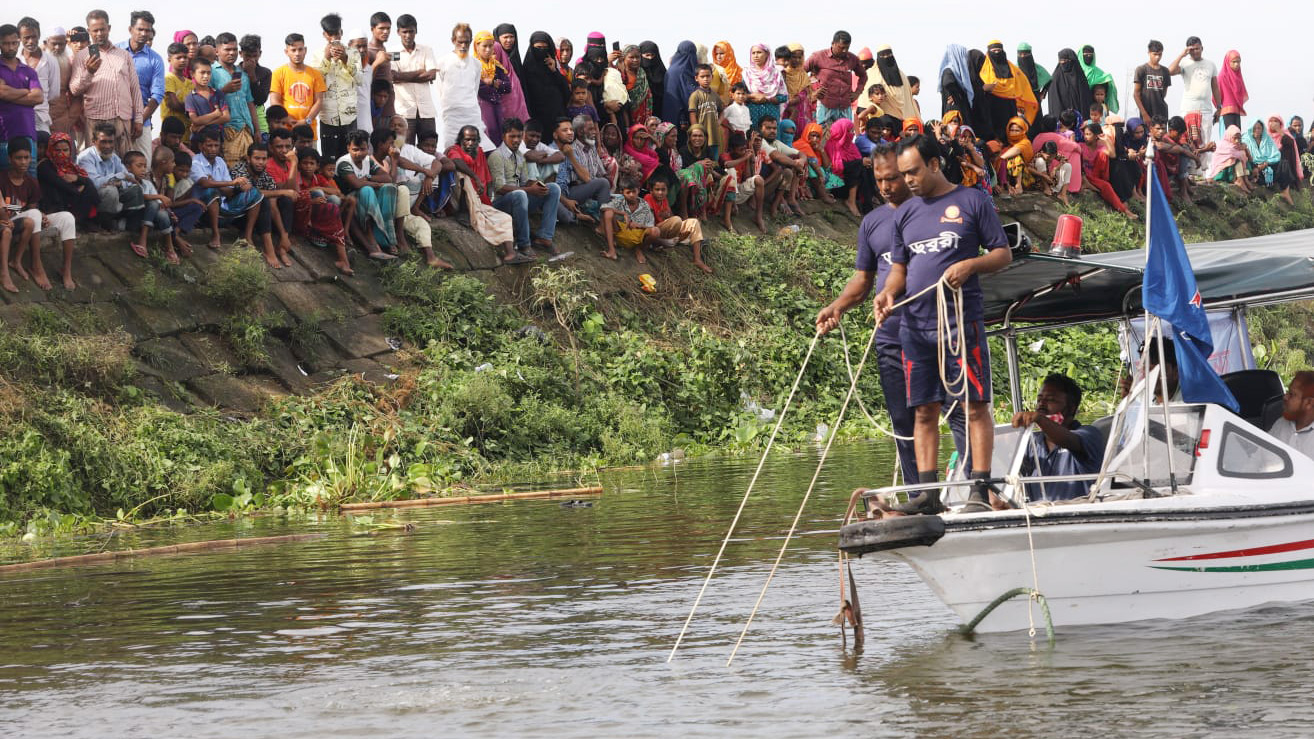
x=194, y=546
x=469, y=499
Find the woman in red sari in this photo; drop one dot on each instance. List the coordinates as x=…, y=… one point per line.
x=318, y=218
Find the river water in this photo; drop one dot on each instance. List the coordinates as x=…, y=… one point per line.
x=535, y=619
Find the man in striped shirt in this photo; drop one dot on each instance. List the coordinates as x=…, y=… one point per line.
x=106, y=78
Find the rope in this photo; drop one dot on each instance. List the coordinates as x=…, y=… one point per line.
x=970, y=626
x=756, y=473
x=853, y=384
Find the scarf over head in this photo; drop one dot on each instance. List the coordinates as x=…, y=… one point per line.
x=64, y=163
x=1261, y=149
x=1069, y=89
x=491, y=65
x=1096, y=76
x=644, y=154
x=655, y=68
x=733, y=72
x=513, y=103
x=766, y=79
x=913, y=123
x=1037, y=75
x=1231, y=85
x=659, y=137
x=680, y=82
x=804, y=144
x=1132, y=137
x=840, y=147
x=796, y=78
x=1229, y=151
x=178, y=36
x=1281, y=136
x=512, y=56
x=700, y=153
x=1020, y=139
x=1014, y=87
x=889, y=67
x=546, y=91
x=785, y=131
x=595, y=40
x=955, y=60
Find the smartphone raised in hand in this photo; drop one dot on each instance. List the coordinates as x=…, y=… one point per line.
x=94, y=51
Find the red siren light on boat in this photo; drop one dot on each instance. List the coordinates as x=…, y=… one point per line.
x=1203, y=443
x=1067, y=237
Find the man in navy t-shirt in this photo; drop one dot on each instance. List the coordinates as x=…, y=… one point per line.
x=876, y=238
x=940, y=233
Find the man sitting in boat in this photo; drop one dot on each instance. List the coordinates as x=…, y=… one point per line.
x=1062, y=446
x=1169, y=372
x=1296, y=426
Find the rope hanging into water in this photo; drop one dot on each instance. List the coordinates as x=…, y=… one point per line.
x=793, y=526
x=751, y=483
x=1033, y=594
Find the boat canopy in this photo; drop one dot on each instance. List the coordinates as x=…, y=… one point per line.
x=1048, y=291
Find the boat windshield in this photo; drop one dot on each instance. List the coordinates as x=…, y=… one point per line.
x=1150, y=457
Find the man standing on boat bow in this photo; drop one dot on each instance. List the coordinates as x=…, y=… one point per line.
x=875, y=240
x=940, y=233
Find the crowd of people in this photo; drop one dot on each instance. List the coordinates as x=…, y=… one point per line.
x=358, y=141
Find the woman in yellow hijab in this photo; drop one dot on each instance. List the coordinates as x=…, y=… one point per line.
x=1017, y=158
x=1005, y=81
x=494, y=82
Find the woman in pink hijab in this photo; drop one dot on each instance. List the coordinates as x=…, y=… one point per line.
x=192, y=42
x=1232, y=90
x=1230, y=162
x=845, y=161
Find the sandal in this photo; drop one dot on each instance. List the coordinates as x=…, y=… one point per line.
x=139, y=249
x=519, y=258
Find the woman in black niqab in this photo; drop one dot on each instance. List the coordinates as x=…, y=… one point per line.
x=655, y=68
x=546, y=90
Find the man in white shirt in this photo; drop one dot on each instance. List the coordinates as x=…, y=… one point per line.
x=46, y=66
x=411, y=75
x=1296, y=426
x=1200, y=88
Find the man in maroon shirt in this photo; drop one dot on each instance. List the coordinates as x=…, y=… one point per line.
x=834, y=69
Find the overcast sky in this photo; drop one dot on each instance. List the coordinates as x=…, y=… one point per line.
x=1271, y=36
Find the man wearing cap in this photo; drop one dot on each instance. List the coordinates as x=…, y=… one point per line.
x=55, y=47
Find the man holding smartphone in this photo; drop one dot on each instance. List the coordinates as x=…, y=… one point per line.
x=228, y=78
x=105, y=76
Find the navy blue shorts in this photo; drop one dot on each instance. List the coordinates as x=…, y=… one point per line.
x=921, y=365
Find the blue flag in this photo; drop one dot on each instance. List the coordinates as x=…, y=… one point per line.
x=1169, y=291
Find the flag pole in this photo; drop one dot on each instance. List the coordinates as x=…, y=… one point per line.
x=1152, y=182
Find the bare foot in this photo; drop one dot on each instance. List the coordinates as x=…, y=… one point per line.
x=273, y=262
x=8, y=285
x=638, y=257
x=703, y=266
x=344, y=267
x=439, y=263
x=69, y=283
x=41, y=280
x=285, y=258
x=184, y=246
x=610, y=254
x=853, y=209
x=171, y=257
x=760, y=225
x=17, y=267
x=214, y=244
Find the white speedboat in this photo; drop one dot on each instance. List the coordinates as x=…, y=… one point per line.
x=1197, y=510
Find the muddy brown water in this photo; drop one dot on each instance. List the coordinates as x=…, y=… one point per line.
x=535, y=619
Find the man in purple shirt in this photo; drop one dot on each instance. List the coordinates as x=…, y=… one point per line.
x=20, y=93
x=834, y=70
x=876, y=239
x=150, y=73
x=940, y=234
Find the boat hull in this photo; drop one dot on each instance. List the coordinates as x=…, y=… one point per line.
x=1108, y=569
